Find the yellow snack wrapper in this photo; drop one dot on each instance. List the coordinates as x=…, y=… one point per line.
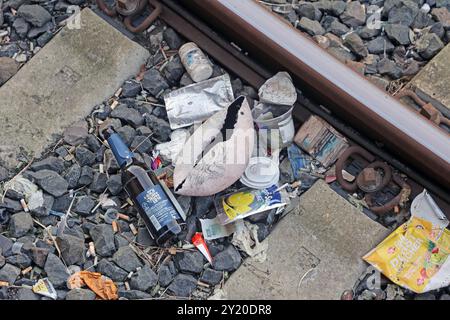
x=415, y=256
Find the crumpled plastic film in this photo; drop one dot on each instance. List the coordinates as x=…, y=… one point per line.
x=103, y=287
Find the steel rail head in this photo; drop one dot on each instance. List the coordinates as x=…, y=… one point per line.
x=347, y=94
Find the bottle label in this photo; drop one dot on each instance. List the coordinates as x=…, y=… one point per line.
x=157, y=207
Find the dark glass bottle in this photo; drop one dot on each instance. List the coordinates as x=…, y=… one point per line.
x=153, y=200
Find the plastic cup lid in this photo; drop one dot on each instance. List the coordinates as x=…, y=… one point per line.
x=261, y=172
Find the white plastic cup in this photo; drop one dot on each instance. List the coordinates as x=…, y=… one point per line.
x=195, y=62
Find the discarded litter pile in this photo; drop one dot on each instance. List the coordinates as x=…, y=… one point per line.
x=25, y=27
x=388, y=41
x=166, y=187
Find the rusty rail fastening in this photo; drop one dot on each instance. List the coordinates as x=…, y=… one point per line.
x=370, y=180
x=130, y=9
x=426, y=109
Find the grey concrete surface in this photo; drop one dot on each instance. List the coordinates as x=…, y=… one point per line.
x=76, y=70
x=432, y=83
x=314, y=252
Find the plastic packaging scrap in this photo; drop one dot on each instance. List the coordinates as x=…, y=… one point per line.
x=170, y=150
x=197, y=102
x=33, y=195
x=200, y=244
x=209, y=164
x=261, y=173
x=212, y=228
x=303, y=167
x=278, y=90
x=246, y=239
x=416, y=255
x=246, y=202
x=45, y=288
x=103, y=287
x=321, y=141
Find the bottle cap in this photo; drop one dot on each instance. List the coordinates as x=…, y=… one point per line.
x=261, y=172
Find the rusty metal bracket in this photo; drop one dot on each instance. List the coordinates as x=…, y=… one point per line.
x=130, y=9
x=426, y=109
x=400, y=199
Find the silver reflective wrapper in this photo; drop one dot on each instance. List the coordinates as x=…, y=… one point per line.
x=197, y=102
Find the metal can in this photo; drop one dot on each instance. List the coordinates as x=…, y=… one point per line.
x=195, y=62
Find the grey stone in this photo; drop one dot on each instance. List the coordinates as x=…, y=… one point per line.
x=318, y=246
x=9, y=50
x=438, y=29
x=160, y=127
x=21, y=261
x=334, y=7
x=341, y=54
x=39, y=256
x=5, y=244
x=133, y=294
x=36, y=32
x=8, y=68
x=26, y=294
x=144, y=131
x=2, y=261
x=338, y=28
x=398, y=33
x=445, y=297
x=21, y=26
x=368, y=33
x=11, y=205
x=388, y=67
x=172, y=39
x=64, y=81
x=442, y=15
x=312, y=27
x=44, y=38
x=9, y=273
x=425, y=296
x=131, y=89
x=4, y=174
x=51, y=182
x=127, y=134
x=103, y=237
x=356, y=45
x=93, y=143
x=379, y=45
x=80, y=294
x=86, y=176
x=154, y=82
x=141, y=144
x=112, y=271
x=186, y=80
x=49, y=163
x=84, y=156
x=173, y=71
x=56, y=271
x=84, y=206
x=127, y=259
x=20, y=224
x=143, y=237
x=114, y=184
x=120, y=241
x=99, y=181
x=309, y=11
x=422, y=20
x=128, y=115
x=354, y=14
x=183, y=285
x=429, y=45
x=44, y=210
x=189, y=262
x=72, y=249
x=165, y=276
x=76, y=134
x=211, y=276
x=34, y=14
x=73, y=175
x=227, y=260
x=403, y=15
x=144, y=279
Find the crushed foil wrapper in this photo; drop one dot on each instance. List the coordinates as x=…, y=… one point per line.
x=197, y=102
